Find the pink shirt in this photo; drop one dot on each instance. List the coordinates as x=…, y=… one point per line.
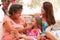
x=7, y=35
x=33, y=33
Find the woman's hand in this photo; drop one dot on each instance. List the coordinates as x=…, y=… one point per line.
x=49, y=27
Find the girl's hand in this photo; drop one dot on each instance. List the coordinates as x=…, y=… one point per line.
x=20, y=30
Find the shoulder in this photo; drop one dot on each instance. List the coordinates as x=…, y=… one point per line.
x=39, y=31
x=6, y=18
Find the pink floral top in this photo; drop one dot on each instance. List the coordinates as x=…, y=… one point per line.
x=33, y=33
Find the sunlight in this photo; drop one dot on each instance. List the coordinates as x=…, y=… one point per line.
x=27, y=2
x=28, y=10
x=37, y=9
x=57, y=15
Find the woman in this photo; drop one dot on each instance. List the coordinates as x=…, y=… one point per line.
x=14, y=23
x=48, y=20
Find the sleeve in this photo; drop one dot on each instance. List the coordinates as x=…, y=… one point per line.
x=5, y=19
x=7, y=25
x=39, y=31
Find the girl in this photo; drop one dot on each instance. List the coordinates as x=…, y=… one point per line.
x=35, y=31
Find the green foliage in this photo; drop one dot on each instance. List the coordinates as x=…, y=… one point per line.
x=3, y=0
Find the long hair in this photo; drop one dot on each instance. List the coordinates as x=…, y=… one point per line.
x=39, y=22
x=47, y=6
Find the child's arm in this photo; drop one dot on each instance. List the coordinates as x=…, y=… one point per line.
x=27, y=28
x=38, y=36
x=20, y=29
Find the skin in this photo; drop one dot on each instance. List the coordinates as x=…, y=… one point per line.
x=35, y=27
x=10, y=28
x=48, y=33
x=16, y=16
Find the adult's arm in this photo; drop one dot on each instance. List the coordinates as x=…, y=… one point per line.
x=8, y=26
x=49, y=27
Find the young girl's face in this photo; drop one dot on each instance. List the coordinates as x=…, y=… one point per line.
x=33, y=22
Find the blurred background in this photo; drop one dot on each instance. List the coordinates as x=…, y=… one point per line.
x=33, y=6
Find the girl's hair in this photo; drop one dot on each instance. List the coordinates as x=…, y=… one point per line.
x=47, y=6
x=38, y=22
x=14, y=8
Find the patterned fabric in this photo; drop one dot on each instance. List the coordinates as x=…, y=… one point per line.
x=7, y=35
x=33, y=33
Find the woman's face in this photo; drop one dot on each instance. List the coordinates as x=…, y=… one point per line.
x=42, y=11
x=17, y=14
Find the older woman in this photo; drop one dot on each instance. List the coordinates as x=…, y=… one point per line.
x=13, y=23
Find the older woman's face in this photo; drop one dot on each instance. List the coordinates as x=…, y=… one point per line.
x=18, y=14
